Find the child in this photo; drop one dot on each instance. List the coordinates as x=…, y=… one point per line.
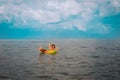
x=51, y=47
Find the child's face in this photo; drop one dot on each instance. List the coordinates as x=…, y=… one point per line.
x=51, y=47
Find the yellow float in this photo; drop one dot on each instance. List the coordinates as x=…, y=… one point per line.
x=51, y=52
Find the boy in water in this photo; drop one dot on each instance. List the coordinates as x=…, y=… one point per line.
x=51, y=47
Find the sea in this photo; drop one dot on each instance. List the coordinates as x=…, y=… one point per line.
x=77, y=59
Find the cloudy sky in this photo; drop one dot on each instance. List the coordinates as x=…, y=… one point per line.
x=59, y=19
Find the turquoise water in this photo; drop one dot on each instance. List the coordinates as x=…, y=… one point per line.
x=77, y=59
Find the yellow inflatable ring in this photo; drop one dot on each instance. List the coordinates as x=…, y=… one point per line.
x=52, y=52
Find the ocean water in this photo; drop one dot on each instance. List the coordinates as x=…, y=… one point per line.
x=77, y=59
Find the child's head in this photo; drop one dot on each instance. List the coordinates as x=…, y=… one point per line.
x=52, y=46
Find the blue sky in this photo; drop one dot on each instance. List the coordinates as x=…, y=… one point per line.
x=22, y=19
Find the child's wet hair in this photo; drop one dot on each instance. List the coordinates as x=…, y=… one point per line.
x=53, y=45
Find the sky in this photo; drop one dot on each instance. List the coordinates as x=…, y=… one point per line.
x=31, y=19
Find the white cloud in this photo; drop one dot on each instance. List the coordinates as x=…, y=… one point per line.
x=80, y=26
x=108, y=10
x=109, y=7
x=53, y=11
x=101, y=28
x=116, y=4
x=1, y=9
